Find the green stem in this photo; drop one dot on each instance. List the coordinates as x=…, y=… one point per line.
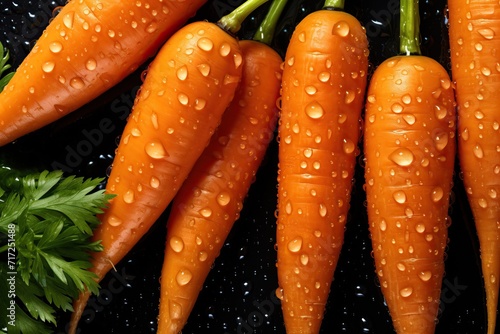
x=409, y=35
x=335, y=4
x=232, y=21
x=265, y=32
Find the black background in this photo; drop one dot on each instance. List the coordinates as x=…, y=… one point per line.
x=238, y=296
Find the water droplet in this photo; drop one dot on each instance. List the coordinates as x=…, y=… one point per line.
x=406, y=292
x=302, y=37
x=324, y=76
x=383, y=225
x=341, y=29
x=397, y=108
x=486, y=71
x=349, y=146
x=406, y=99
x=154, y=182
x=238, y=60
x=440, y=112
x=156, y=150
x=152, y=27
x=441, y=140
x=425, y=275
x=310, y=90
x=48, y=67
x=304, y=259
x=128, y=197
x=68, y=19
x=183, y=99
x=114, y=220
x=176, y=244
x=206, y=212
x=410, y=119
x=409, y=213
x=279, y=293
x=205, y=44
x=295, y=245
x=420, y=228
x=401, y=266
x=322, y=210
x=478, y=151
x=402, y=156
x=487, y=33
x=202, y=256
x=314, y=110
x=91, y=64
x=77, y=83
x=445, y=83
x=182, y=73
x=204, y=69
x=183, y=277
x=482, y=203
x=223, y=198
x=175, y=310
x=224, y=49
x=478, y=46
x=399, y=196
x=493, y=278
x=55, y=47
x=492, y=193
x=349, y=96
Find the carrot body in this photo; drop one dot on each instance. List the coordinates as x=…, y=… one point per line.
x=87, y=48
x=324, y=81
x=409, y=146
x=212, y=196
x=187, y=88
x=474, y=29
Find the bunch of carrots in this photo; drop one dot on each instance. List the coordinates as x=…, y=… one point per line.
x=207, y=111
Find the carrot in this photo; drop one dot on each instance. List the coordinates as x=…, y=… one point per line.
x=324, y=81
x=409, y=146
x=187, y=88
x=473, y=27
x=210, y=200
x=87, y=48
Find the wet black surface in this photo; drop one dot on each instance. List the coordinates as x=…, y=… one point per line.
x=238, y=296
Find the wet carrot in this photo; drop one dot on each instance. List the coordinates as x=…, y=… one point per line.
x=210, y=200
x=87, y=48
x=409, y=146
x=324, y=81
x=473, y=29
x=187, y=88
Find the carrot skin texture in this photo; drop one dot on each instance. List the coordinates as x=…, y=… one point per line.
x=87, y=48
x=409, y=146
x=187, y=88
x=473, y=31
x=212, y=196
x=324, y=81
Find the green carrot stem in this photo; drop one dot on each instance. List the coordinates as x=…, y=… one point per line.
x=335, y=4
x=409, y=35
x=265, y=32
x=232, y=21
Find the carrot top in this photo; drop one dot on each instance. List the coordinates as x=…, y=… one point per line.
x=409, y=26
x=334, y=4
x=266, y=29
x=232, y=21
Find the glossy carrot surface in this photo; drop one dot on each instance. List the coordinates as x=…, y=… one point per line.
x=409, y=147
x=87, y=48
x=187, y=88
x=474, y=27
x=324, y=80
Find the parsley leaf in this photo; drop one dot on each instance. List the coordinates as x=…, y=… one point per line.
x=4, y=57
x=48, y=219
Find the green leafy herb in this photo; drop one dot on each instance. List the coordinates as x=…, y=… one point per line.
x=46, y=221
x=4, y=58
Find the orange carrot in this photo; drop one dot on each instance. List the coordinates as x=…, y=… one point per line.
x=324, y=81
x=210, y=200
x=409, y=146
x=187, y=88
x=473, y=29
x=87, y=48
